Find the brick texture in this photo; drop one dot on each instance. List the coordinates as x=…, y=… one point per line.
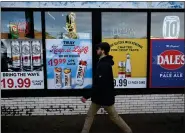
x=125, y=104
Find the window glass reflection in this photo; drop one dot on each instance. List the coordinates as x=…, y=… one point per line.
x=68, y=25
x=167, y=25
x=124, y=25
x=21, y=25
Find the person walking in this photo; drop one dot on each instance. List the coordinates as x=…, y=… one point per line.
x=103, y=94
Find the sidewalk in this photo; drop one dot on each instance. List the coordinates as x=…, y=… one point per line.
x=141, y=123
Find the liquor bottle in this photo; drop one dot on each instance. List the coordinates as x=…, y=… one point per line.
x=128, y=66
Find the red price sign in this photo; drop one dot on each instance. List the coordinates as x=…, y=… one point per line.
x=19, y=83
x=55, y=62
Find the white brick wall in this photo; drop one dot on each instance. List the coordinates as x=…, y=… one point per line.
x=125, y=104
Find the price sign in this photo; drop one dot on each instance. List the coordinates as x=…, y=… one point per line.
x=129, y=82
x=120, y=83
x=55, y=62
x=22, y=80
x=171, y=27
x=19, y=83
x=23, y=62
x=129, y=68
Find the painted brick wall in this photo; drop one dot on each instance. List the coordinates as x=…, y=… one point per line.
x=125, y=104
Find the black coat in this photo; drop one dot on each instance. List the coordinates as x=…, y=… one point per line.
x=103, y=87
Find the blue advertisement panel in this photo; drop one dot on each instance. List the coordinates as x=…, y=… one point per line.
x=69, y=63
x=167, y=63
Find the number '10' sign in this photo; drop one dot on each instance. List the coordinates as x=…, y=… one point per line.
x=171, y=27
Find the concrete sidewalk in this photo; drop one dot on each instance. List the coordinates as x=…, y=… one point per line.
x=141, y=123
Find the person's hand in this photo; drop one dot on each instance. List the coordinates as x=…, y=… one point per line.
x=83, y=99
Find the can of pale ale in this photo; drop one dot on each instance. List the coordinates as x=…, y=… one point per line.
x=58, y=77
x=67, y=78
x=81, y=72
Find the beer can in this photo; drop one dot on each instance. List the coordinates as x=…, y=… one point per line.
x=121, y=69
x=16, y=53
x=58, y=77
x=26, y=54
x=36, y=53
x=14, y=32
x=67, y=78
x=81, y=73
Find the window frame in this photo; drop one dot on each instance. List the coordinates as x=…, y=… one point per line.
x=96, y=38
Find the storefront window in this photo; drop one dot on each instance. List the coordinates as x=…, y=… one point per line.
x=69, y=50
x=21, y=25
x=59, y=25
x=126, y=33
x=167, y=50
x=21, y=51
x=124, y=25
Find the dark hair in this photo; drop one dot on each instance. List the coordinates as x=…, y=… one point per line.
x=104, y=46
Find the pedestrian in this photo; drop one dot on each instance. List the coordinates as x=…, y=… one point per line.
x=103, y=94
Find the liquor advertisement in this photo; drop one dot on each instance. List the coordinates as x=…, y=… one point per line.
x=69, y=63
x=21, y=64
x=130, y=62
x=167, y=63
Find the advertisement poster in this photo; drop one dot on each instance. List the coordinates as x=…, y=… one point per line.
x=167, y=63
x=130, y=62
x=69, y=63
x=21, y=64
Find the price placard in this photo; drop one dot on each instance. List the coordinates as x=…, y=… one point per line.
x=22, y=64
x=69, y=63
x=56, y=62
x=129, y=82
x=130, y=64
x=21, y=80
